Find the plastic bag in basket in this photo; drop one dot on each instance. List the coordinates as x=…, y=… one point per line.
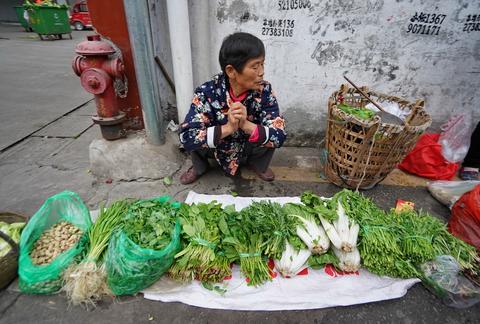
x=131, y=268
x=46, y=279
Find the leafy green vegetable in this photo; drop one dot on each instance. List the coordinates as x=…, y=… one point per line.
x=396, y=244
x=13, y=231
x=271, y=220
x=149, y=223
x=327, y=208
x=244, y=242
x=359, y=112
x=319, y=261
x=203, y=257
x=167, y=181
x=215, y=288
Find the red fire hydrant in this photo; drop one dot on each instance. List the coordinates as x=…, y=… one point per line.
x=97, y=71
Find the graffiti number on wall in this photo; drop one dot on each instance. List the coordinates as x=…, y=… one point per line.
x=278, y=27
x=472, y=23
x=428, y=18
x=293, y=4
x=423, y=29
x=425, y=24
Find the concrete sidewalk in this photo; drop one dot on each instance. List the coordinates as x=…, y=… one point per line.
x=47, y=160
x=38, y=83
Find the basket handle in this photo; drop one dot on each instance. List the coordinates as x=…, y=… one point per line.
x=420, y=102
x=9, y=240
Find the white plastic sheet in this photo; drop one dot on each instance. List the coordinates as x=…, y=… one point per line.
x=317, y=289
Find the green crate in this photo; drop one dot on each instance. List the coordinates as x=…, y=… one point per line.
x=49, y=20
x=21, y=19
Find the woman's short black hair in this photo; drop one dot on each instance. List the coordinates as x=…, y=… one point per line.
x=238, y=48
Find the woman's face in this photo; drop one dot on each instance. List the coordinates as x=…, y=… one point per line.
x=251, y=78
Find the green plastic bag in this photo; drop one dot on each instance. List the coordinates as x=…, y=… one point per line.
x=47, y=279
x=131, y=268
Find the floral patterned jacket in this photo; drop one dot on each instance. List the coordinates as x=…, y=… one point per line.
x=208, y=112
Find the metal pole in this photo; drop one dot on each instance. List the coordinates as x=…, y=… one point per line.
x=138, y=20
x=179, y=26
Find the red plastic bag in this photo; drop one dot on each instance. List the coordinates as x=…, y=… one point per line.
x=426, y=160
x=465, y=220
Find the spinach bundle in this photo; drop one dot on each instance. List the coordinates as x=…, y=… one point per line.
x=245, y=243
x=202, y=258
x=149, y=223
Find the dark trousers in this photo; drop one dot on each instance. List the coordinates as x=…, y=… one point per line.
x=254, y=155
x=472, y=159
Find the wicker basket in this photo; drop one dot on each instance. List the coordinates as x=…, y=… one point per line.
x=361, y=153
x=9, y=262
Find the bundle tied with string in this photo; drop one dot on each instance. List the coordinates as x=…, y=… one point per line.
x=362, y=152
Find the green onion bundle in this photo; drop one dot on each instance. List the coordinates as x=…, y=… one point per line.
x=86, y=282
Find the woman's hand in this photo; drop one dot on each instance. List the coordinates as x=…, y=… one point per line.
x=239, y=111
x=237, y=119
x=232, y=124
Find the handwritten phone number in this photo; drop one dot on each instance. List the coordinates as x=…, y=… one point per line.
x=469, y=27
x=279, y=32
x=428, y=18
x=473, y=18
x=280, y=23
x=423, y=29
x=293, y=4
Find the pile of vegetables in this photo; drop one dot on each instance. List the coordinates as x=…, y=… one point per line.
x=59, y=238
x=13, y=230
x=347, y=231
x=396, y=244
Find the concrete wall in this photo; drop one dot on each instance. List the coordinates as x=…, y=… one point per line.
x=426, y=49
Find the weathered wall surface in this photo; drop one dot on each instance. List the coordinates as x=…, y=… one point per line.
x=415, y=49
